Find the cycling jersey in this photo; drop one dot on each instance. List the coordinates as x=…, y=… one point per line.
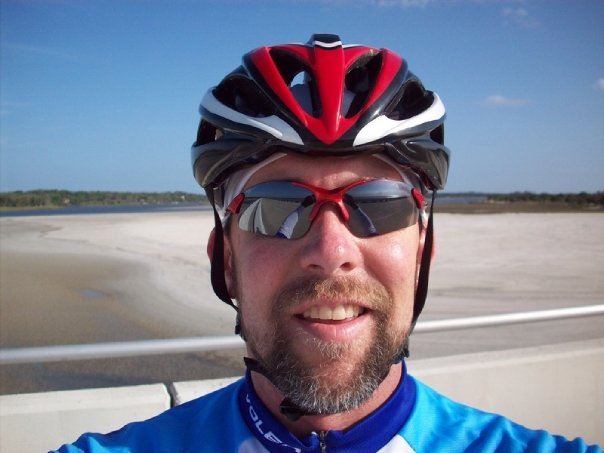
x=414, y=419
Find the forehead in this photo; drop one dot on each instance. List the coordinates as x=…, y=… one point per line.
x=326, y=171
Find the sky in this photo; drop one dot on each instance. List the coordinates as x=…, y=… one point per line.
x=104, y=94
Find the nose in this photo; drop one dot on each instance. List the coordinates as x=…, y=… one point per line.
x=329, y=247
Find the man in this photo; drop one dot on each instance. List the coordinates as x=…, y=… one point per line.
x=324, y=250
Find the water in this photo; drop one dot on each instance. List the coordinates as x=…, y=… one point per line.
x=177, y=207
x=113, y=209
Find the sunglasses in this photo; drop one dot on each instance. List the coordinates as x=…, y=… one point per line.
x=286, y=209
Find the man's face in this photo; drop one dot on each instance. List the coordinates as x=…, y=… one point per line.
x=325, y=314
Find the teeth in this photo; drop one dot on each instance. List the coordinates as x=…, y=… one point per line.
x=338, y=313
x=351, y=311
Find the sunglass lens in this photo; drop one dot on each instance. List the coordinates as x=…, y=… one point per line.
x=380, y=207
x=276, y=209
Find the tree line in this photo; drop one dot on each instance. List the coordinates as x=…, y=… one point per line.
x=581, y=199
x=62, y=198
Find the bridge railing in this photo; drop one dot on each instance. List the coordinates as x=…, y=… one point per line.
x=60, y=353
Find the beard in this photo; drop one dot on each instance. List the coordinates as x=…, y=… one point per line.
x=337, y=380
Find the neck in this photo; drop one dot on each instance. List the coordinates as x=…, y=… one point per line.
x=272, y=398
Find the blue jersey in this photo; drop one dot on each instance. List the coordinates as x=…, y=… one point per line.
x=414, y=419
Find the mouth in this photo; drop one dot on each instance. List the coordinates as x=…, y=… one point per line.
x=335, y=322
x=342, y=312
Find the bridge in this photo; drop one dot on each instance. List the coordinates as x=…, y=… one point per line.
x=553, y=387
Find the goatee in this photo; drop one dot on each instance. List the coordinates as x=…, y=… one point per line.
x=336, y=382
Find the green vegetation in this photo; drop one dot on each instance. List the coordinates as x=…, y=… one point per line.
x=582, y=199
x=468, y=202
x=483, y=203
x=62, y=198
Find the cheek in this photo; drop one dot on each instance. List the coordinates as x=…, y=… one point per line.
x=394, y=259
x=394, y=264
x=260, y=267
x=260, y=271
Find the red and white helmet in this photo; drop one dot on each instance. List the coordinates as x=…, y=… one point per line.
x=320, y=98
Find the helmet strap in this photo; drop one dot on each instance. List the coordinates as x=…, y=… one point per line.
x=217, y=264
x=288, y=408
x=424, y=272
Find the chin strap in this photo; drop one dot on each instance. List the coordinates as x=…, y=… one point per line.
x=287, y=407
x=424, y=272
x=217, y=264
x=401, y=355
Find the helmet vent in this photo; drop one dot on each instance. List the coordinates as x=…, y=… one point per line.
x=302, y=88
x=299, y=80
x=414, y=100
x=243, y=95
x=207, y=133
x=438, y=134
x=360, y=80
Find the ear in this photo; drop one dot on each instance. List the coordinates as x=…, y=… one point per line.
x=229, y=275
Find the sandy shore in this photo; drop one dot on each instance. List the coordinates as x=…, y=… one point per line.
x=117, y=277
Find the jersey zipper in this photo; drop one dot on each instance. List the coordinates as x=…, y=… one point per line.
x=322, y=444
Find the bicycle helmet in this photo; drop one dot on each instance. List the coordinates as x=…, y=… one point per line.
x=320, y=98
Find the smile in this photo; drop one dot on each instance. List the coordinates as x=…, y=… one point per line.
x=337, y=313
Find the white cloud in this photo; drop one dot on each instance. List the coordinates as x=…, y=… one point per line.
x=39, y=50
x=519, y=16
x=497, y=100
x=599, y=85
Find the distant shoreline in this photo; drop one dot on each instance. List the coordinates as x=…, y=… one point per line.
x=514, y=207
x=102, y=209
x=448, y=207
x=61, y=202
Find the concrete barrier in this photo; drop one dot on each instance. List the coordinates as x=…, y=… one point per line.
x=189, y=390
x=557, y=388
x=38, y=422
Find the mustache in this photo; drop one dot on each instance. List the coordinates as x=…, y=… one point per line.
x=372, y=295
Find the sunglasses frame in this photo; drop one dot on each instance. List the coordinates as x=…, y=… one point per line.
x=324, y=196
